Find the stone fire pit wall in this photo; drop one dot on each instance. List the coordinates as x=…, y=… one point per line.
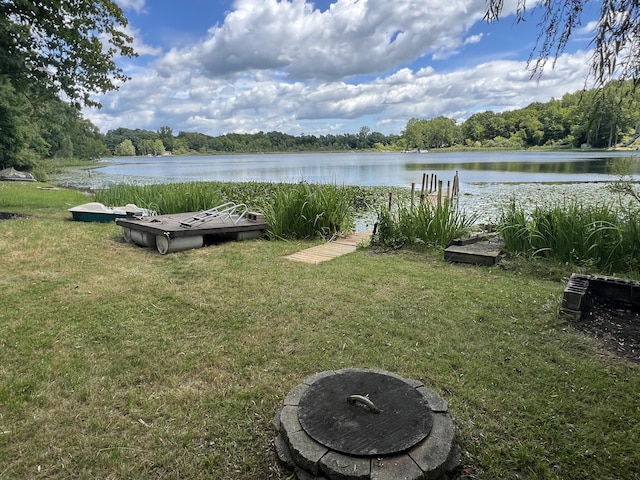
x=432, y=458
x=581, y=289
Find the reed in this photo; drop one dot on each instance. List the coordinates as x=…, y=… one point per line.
x=164, y=198
x=431, y=223
x=299, y=210
x=597, y=236
x=308, y=211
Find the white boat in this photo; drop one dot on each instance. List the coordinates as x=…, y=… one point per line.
x=11, y=174
x=98, y=212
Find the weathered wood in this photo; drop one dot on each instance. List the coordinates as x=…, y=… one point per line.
x=487, y=253
x=457, y=254
x=330, y=250
x=171, y=226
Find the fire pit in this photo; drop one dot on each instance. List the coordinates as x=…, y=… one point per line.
x=365, y=424
x=607, y=308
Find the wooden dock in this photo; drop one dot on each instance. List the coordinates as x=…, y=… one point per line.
x=332, y=249
x=183, y=231
x=480, y=250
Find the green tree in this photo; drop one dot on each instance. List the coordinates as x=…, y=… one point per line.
x=158, y=147
x=66, y=46
x=414, y=134
x=363, y=136
x=13, y=126
x=166, y=135
x=146, y=147
x=440, y=132
x=125, y=149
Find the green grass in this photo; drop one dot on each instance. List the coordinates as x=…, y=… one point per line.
x=118, y=362
x=593, y=236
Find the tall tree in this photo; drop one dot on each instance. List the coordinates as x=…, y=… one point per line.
x=13, y=134
x=63, y=46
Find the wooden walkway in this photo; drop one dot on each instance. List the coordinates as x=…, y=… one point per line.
x=333, y=249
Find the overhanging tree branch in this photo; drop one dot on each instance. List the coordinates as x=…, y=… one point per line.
x=616, y=38
x=63, y=46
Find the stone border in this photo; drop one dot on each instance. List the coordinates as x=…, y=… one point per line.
x=432, y=458
x=576, y=297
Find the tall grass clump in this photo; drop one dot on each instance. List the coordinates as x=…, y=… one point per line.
x=164, y=198
x=595, y=236
x=433, y=224
x=308, y=210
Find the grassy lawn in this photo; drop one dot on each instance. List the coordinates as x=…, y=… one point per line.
x=120, y=363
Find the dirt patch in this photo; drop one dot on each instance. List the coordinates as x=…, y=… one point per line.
x=617, y=326
x=11, y=216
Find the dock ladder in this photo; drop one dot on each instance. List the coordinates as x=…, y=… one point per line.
x=227, y=211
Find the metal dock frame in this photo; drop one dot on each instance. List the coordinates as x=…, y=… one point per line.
x=224, y=212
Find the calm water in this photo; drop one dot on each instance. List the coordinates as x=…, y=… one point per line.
x=394, y=169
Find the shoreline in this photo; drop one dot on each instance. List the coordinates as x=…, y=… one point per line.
x=485, y=199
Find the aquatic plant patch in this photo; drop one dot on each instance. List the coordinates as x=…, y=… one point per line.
x=597, y=236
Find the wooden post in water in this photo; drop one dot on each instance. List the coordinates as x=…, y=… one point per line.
x=439, y=193
x=413, y=192
x=390, y=199
x=448, y=197
x=456, y=185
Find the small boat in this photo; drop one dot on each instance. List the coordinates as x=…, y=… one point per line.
x=11, y=174
x=98, y=212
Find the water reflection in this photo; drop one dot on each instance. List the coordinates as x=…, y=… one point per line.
x=600, y=166
x=377, y=168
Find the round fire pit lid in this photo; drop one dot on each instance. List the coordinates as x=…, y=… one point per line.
x=364, y=413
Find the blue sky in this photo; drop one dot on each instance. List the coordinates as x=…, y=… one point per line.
x=325, y=67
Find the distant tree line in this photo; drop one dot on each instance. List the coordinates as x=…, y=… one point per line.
x=598, y=118
x=36, y=127
x=123, y=141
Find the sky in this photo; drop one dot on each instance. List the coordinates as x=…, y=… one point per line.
x=328, y=67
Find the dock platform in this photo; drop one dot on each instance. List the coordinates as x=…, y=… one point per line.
x=333, y=249
x=183, y=231
x=480, y=250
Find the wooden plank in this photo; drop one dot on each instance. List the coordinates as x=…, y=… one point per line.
x=473, y=254
x=330, y=250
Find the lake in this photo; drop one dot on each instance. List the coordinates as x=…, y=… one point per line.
x=393, y=169
x=488, y=180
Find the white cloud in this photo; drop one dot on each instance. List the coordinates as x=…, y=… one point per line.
x=288, y=67
x=139, y=46
x=589, y=28
x=473, y=39
x=352, y=37
x=136, y=5
x=196, y=103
